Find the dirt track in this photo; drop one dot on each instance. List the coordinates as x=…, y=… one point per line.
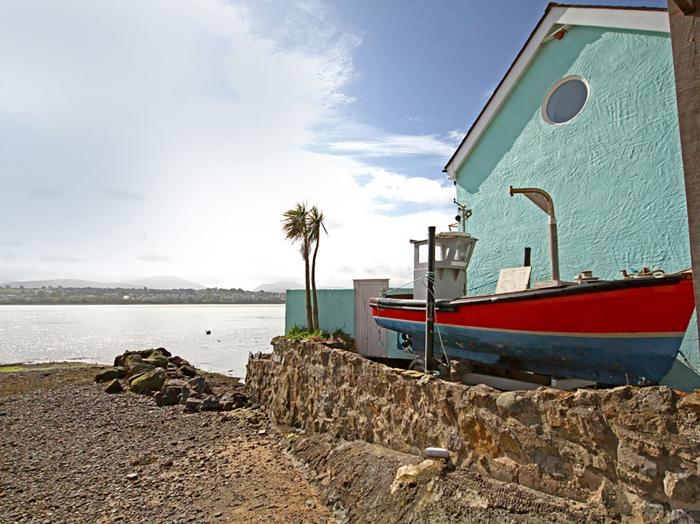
x=71, y=453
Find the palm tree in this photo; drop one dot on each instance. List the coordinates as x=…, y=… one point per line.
x=314, y=224
x=294, y=225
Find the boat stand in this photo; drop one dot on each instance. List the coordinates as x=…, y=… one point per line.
x=510, y=384
x=510, y=379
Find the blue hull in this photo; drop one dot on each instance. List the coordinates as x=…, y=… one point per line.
x=614, y=360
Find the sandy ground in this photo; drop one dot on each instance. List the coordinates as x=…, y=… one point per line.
x=71, y=453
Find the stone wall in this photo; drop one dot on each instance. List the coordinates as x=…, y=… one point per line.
x=622, y=448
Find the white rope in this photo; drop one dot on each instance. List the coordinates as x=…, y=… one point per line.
x=442, y=345
x=402, y=285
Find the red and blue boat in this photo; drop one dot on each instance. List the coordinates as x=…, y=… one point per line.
x=611, y=332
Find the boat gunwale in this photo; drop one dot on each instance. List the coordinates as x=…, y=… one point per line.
x=531, y=294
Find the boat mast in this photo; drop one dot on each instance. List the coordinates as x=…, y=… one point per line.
x=430, y=302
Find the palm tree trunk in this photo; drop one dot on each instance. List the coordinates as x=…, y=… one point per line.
x=309, y=316
x=313, y=284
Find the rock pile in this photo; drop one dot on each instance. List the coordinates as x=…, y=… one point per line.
x=170, y=380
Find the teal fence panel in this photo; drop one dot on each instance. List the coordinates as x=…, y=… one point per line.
x=336, y=309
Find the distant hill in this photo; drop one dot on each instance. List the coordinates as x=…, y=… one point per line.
x=159, y=282
x=165, y=282
x=65, y=282
x=279, y=287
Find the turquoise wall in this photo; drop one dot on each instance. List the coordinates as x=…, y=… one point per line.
x=336, y=309
x=614, y=171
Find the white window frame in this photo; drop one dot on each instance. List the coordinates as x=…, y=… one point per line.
x=561, y=81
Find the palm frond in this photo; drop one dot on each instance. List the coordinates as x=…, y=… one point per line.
x=294, y=222
x=314, y=223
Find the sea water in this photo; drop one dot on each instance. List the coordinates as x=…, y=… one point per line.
x=97, y=333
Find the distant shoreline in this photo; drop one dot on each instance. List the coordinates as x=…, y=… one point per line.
x=280, y=303
x=49, y=296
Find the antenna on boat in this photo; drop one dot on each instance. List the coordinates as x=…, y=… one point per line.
x=544, y=201
x=463, y=216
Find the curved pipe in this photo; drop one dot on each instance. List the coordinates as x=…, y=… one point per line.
x=544, y=201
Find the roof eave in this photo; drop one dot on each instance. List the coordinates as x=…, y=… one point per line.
x=648, y=19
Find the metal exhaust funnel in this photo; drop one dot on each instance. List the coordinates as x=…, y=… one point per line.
x=544, y=201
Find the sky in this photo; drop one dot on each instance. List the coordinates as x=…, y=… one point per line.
x=166, y=137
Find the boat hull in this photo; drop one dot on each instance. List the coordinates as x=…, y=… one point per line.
x=625, y=332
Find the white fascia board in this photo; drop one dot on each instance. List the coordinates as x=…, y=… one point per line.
x=642, y=20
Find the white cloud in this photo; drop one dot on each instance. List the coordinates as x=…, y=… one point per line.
x=455, y=136
x=395, y=145
x=187, y=108
x=153, y=257
x=123, y=194
x=385, y=186
x=61, y=259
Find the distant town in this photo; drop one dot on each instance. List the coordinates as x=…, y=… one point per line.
x=10, y=295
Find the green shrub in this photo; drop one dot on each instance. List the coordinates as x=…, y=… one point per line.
x=339, y=333
x=301, y=333
x=296, y=331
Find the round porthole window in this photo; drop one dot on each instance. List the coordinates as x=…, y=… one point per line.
x=565, y=100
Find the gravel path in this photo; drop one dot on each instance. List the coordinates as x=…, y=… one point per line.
x=71, y=453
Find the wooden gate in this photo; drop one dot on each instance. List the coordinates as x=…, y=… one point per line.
x=370, y=339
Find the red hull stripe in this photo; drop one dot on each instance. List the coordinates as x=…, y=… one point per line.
x=653, y=311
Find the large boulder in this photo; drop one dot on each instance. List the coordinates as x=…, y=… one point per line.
x=185, y=394
x=168, y=396
x=192, y=405
x=130, y=357
x=413, y=474
x=126, y=357
x=162, y=351
x=179, y=382
x=683, y=486
x=210, y=403
x=188, y=371
x=199, y=385
x=119, y=360
x=110, y=374
x=139, y=355
x=157, y=360
x=234, y=400
x=147, y=382
x=178, y=361
x=114, y=387
x=139, y=368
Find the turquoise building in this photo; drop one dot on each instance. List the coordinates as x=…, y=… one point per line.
x=587, y=112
